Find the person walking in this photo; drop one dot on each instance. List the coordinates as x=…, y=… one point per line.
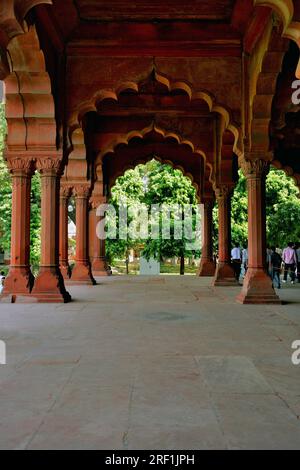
x=244, y=261
x=268, y=261
x=236, y=261
x=297, y=249
x=290, y=262
x=276, y=262
x=2, y=280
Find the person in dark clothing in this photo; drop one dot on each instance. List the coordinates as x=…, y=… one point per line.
x=276, y=262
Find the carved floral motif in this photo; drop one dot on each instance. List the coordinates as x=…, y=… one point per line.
x=20, y=165
x=65, y=192
x=222, y=192
x=81, y=191
x=256, y=168
x=49, y=165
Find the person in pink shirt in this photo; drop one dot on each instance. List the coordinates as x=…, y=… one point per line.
x=289, y=259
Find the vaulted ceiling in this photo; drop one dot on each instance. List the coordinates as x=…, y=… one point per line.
x=204, y=70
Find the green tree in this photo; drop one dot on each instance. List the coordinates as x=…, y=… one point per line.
x=128, y=190
x=282, y=210
x=35, y=221
x=149, y=184
x=166, y=185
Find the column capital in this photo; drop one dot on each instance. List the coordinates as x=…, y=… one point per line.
x=65, y=191
x=49, y=166
x=254, y=168
x=19, y=166
x=223, y=191
x=96, y=201
x=81, y=191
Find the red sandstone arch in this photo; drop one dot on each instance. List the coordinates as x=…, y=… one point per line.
x=94, y=104
x=285, y=10
x=32, y=144
x=159, y=144
x=265, y=89
x=163, y=161
x=12, y=17
x=30, y=110
x=268, y=66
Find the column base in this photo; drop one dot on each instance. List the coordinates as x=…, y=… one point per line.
x=207, y=268
x=100, y=267
x=19, y=282
x=16, y=299
x=224, y=275
x=258, y=288
x=49, y=287
x=82, y=275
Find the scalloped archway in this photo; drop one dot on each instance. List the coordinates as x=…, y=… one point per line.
x=30, y=109
x=285, y=10
x=154, y=142
x=94, y=105
x=163, y=161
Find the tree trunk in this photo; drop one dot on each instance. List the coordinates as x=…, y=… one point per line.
x=181, y=265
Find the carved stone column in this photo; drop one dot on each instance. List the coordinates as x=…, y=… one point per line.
x=49, y=285
x=224, y=275
x=82, y=270
x=99, y=264
x=207, y=264
x=63, y=232
x=257, y=288
x=19, y=281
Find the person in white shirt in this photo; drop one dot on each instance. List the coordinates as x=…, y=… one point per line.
x=236, y=261
x=244, y=261
x=2, y=279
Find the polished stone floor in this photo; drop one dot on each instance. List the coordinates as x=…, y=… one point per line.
x=150, y=363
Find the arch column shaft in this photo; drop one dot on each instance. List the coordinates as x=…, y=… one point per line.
x=82, y=270
x=63, y=235
x=224, y=275
x=207, y=265
x=49, y=285
x=257, y=288
x=99, y=264
x=19, y=281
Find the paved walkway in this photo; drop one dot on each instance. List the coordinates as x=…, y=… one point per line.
x=154, y=363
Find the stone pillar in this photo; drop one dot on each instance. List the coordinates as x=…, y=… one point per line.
x=99, y=264
x=224, y=275
x=49, y=285
x=63, y=232
x=82, y=270
x=19, y=281
x=257, y=288
x=207, y=264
